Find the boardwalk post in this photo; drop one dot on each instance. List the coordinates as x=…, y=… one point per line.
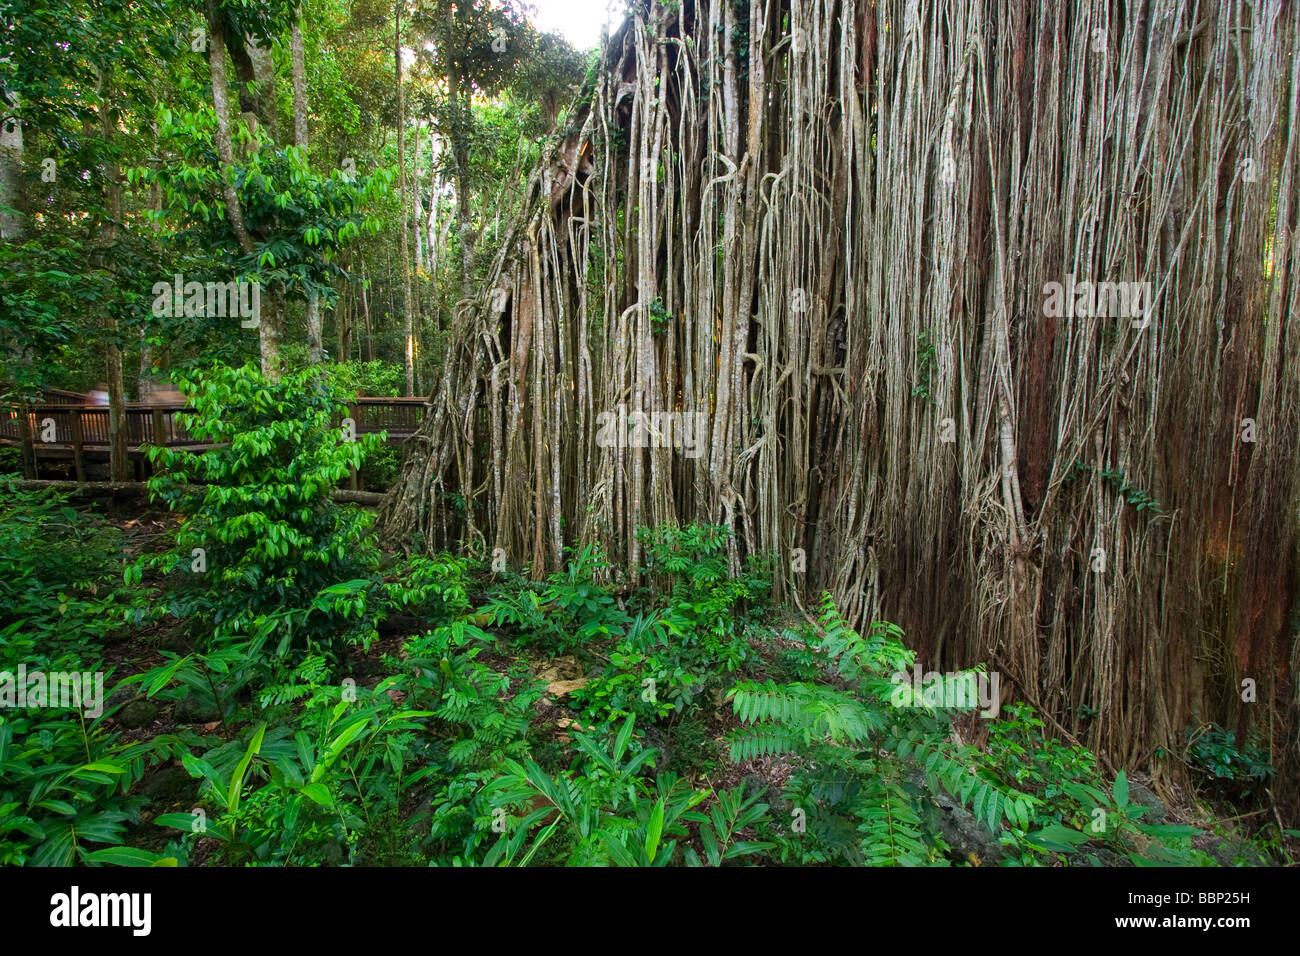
x=354, y=414
x=77, y=440
x=159, y=438
x=159, y=428
x=30, y=466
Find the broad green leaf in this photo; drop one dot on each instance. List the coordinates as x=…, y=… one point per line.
x=1059, y=838
x=179, y=821
x=57, y=849
x=319, y=793
x=104, y=767
x=124, y=856
x=710, y=841
x=345, y=737
x=654, y=829
x=618, y=851
x=237, y=779
x=1121, y=789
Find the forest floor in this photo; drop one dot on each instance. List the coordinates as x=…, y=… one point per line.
x=700, y=754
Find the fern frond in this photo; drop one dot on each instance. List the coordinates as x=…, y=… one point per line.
x=952, y=768
x=761, y=740
x=809, y=712
x=891, y=827
x=856, y=657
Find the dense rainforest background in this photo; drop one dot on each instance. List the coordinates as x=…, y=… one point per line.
x=791, y=432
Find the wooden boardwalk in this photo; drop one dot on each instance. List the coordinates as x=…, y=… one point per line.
x=68, y=428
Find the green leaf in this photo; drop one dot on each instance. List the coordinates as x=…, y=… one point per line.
x=349, y=734
x=57, y=849
x=320, y=793
x=624, y=737
x=178, y=821
x=992, y=817
x=617, y=850
x=1121, y=789
x=103, y=767
x=237, y=779
x=654, y=829
x=747, y=848
x=1058, y=838
x=198, y=767
x=540, y=842
x=58, y=806
x=124, y=856
x=710, y=841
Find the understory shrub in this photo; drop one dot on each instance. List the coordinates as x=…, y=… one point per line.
x=261, y=539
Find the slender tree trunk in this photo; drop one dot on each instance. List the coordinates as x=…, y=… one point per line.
x=417, y=201
x=342, y=323
x=458, y=104
x=221, y=107
x=12, y=219
x=118, y=462
x=298, y=59
x=269, y=320
x=144, y=380
x=264, y=74
x=365, y=306
x=408, y=315
x=315, y=350
x=430, y=226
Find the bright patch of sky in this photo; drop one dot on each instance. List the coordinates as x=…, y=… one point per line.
x=578, y=21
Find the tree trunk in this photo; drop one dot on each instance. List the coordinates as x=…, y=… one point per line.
x=458, y=104
x=12, y=219
x=365, y=307
x=221, y=107
x=269, y=319
x=408, y=317
x=264, y=74
x=144, y=380
x=315, y=350
x=298, y=58
x=841, y=253
x=119, y=463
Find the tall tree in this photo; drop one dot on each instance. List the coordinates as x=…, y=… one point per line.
x=477, y=47
x=408, y=317
x=298, y=62
x=230, y=26
x=216, y=41
x=119, y=466
x=825, y=234
x=12, y=220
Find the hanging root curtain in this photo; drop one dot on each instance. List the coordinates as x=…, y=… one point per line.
x=833, y=229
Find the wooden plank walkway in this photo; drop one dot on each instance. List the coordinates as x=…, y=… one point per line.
x=69, y=427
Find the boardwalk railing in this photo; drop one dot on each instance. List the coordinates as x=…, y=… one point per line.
x=63, y=426
x=57, y=429
x=400, y=417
